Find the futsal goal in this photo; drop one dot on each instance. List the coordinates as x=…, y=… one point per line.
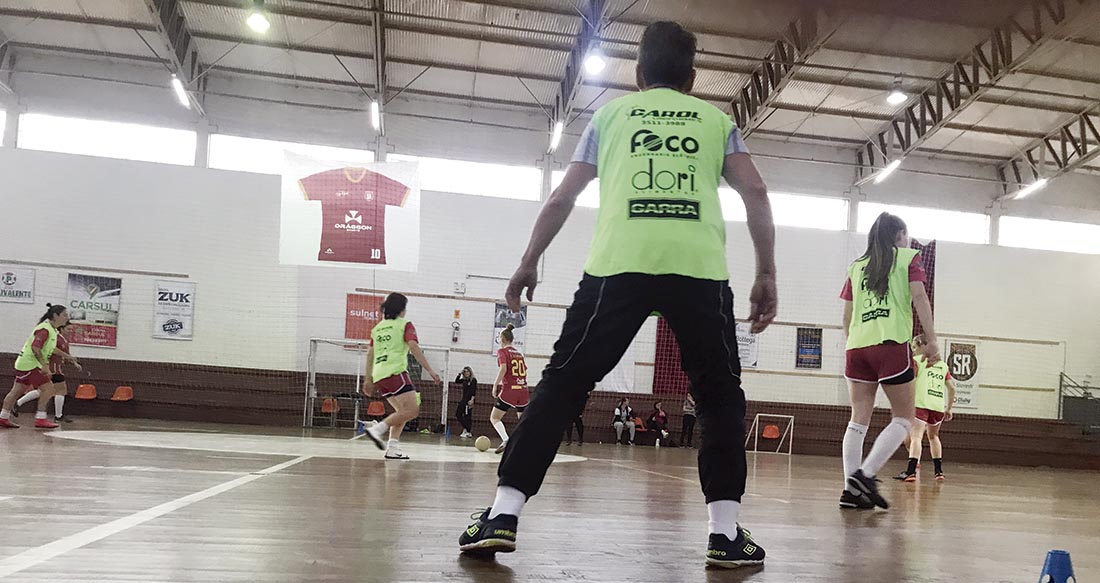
x=335, y=387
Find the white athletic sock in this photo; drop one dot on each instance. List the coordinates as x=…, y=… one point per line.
x=508, y=501
x=393, y=443
x=501, y=431
x=58, y=405
x=723, y=518
x=5, y=414
x=28, y=397
x=853, y=450
x=886, y=444
x=39, y=414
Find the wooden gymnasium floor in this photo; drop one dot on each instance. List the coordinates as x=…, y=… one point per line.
x=144, y=501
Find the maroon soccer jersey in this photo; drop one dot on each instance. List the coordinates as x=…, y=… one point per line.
x=514, y=384
x=353, y=210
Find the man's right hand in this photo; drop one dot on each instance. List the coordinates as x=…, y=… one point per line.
x=764, y=301
x=931, y=352
x=525, y=277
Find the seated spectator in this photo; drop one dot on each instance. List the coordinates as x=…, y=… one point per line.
x=624, y=418
x=658, y=421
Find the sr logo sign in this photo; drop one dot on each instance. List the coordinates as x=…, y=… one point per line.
x=962, y=360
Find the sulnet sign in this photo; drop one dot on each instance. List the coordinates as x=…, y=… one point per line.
x=362, y=313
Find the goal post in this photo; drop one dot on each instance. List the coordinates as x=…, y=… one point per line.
x=334, y=372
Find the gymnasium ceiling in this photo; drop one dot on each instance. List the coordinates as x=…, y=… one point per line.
x=1013, y=83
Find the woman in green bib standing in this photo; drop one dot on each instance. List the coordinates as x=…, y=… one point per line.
x=391, y=341
x=32, y=368
x=935, y=397
x=884, y=287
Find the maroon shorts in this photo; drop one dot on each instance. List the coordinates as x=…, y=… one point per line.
x=930, y=417
x=32, y=378
x=395, y=385
x=889, y=363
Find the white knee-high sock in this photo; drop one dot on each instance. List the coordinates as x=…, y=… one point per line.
x=28, y=397
x=886, y=444
x=58, y=405
x=853, y=449
x=508, y=501
x=501, y=431
x=723, y=518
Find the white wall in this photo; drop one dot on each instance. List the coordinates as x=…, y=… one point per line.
x=221, y=228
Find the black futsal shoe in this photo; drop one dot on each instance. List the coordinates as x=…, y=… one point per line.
x=850, y=501
x=868, y=487
x=743, y=552
x=487, y=537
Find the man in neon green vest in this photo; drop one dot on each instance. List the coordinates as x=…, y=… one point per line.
x=659, y=244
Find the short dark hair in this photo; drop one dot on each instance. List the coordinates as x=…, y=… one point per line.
x=667, y=54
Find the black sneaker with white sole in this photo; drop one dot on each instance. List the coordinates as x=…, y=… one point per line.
x=486, y=537
x=869, y=488
x=849, y=501
x=742, y=552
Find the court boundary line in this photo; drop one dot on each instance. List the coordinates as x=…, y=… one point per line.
x=42, y=553
x=683, y=479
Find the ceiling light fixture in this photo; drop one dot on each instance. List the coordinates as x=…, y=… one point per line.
x=594, y=63
x=257, y=19
x=897, y=96
x=887, y=171
x=181, y=93
x=1031, y=188
x=375, y=115
x=555, y=136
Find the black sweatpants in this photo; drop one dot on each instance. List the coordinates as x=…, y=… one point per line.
x=577, y=422
x=465, y=415
x=599, y=326
x=687, y=430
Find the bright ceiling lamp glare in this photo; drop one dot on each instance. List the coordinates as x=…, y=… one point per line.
x=181, y=93
x=594, y=64
x=555, y=136
x=897, y=96
x=887, y=171
x=1031, y=188
x=375, y=115
x=257, y=19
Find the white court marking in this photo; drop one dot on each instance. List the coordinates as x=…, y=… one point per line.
x=41, y=554
x=682, y=479
x=2, y=498
x=287, y=446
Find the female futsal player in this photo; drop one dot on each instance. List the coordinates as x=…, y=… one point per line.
x=510, y=388
x=883, y=287
x=935, y=397
x=392, y=340
x=32, y=368
x=57, y=378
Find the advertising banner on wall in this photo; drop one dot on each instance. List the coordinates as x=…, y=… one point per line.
x=174, y=312
x=16, y=284
x=808, y=349
x=747, y=348
x=362, y=313
x=963, y=362
x=336, y=214
x=94, y=302
x=502, y=316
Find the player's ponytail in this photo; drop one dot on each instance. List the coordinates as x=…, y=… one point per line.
x=394, y=305
x=52, y=311
x=881, y=245
x=507, y=333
